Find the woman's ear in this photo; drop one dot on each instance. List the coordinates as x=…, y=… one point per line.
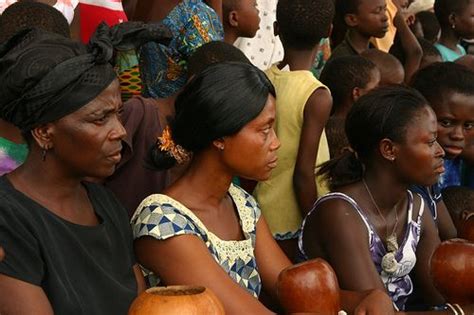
x=43, y=136
x=388, y=149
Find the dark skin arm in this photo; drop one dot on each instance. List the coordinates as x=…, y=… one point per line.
x=181, y=259
x=19, y=292
x=446, y=228
x=75, y=26
x=429, y=240
x=409, y=43
x=315, y=116
x=141, y=285
x=336, y=231
x=270, y=258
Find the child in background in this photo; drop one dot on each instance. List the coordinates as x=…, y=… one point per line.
x=364, y=19
x=429, y=25
x=303, y=107
x=449, y=89
x=265, y=48
x=454, y=17
x=348, y=78
x=460, y=203
x=391, y=70
x=240, y=19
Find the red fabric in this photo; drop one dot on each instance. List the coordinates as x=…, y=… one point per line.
x=92, y=15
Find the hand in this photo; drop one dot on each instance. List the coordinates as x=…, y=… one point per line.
x=377, y=302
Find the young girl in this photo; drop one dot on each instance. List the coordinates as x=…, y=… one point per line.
x=203, y=229
x=303, y=108
x=454, y=17
x=374, y=232
x=449, y=89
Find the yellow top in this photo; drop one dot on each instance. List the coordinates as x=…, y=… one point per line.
x=276, y=196
x=386, y=42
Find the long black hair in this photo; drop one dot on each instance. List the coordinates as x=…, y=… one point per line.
x=216, y=103
x=382, y=113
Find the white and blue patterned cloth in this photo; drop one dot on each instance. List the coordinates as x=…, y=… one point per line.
x=162, y=217
x=398, y=284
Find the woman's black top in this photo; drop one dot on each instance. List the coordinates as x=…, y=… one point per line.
x=81, y=269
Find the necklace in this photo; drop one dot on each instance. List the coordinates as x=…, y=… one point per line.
x=389, y=263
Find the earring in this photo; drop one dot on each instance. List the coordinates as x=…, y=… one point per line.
x=221, y=147
x=392, y=158
x=43, y=153
x=453, y=26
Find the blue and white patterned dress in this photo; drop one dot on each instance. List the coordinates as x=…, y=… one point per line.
x=162, y=217
x=399, y=284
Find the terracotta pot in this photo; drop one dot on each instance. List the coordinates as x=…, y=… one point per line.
x=177, y=300
x=452, y=269
x=309, y=287
x=467, y=230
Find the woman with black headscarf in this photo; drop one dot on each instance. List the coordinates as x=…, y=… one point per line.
x=68, y=242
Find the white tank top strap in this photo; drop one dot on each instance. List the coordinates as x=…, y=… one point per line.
x=422, y=209
x=410, y=207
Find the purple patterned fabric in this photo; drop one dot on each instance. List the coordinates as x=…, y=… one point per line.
x=7, y=163
x=399, y=284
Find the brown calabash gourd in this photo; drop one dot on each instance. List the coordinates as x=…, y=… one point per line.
x=310, y=287
x=452, y=269
x=467, y=231
x=177, y=300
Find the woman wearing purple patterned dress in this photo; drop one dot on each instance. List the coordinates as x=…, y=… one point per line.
x=371, y=229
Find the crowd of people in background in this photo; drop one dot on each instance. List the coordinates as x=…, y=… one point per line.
x=217, y=142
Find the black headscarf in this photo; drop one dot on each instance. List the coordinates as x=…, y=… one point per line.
x=44, y=76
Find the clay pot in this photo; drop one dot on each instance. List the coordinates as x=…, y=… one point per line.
x=177, y=300
x=309, y=287
x=467, y=230
x=452, y=269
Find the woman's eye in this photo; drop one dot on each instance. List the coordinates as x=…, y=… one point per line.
x=101, y=119
x=468, y=126
x=432, y=142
